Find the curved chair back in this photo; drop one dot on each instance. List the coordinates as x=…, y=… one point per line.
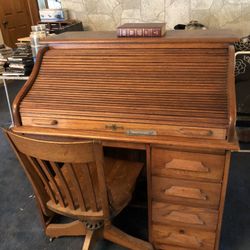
x=68, y=176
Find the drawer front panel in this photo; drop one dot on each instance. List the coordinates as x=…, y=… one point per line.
x=187, y=165
x=40, y=119
x=178, y=215
x=186, y=192
x=183, y=237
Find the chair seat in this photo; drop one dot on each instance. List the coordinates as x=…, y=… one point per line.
x=120, y=178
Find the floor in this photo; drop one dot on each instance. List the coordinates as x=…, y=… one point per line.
x=20, y=226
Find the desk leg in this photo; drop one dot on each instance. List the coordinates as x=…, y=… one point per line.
x=8, y=100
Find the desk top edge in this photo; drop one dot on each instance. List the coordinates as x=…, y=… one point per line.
x=154, y=140
x=176, y=36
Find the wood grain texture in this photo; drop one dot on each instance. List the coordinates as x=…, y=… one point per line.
x=194, y=36
x=179, y=215
x=133, y=86
x=121, y=137
x=99, y=190
x=172, y=96
x=160, y=85
x=222, y=198
x=187, y=165
x=89, y=123
x=24, y=90
x=183, y=237
x=192, y=193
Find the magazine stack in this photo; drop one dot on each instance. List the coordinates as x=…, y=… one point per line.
x=21, y=62
x=5, y=52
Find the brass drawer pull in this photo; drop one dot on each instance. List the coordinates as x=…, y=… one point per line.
x=141, y=132
x=184, y=218
x=42, y=122
x=186, y=192
x=187, y=165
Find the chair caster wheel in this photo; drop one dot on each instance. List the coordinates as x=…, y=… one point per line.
x=51, y=239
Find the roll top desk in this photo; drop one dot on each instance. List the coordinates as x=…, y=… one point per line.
x=172, y=97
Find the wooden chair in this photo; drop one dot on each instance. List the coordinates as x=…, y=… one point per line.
x=75, y=180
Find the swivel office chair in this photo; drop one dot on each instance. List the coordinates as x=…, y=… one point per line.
x=75, y=180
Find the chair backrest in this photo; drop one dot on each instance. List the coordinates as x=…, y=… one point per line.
x=72, y=173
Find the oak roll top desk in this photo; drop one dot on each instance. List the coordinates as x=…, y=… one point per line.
x=171, y=96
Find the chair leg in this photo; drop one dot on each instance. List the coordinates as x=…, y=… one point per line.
x=92, y=236
x=75, y=228
x=117, y=236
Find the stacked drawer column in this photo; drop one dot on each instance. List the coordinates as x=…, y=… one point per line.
x=186, y=198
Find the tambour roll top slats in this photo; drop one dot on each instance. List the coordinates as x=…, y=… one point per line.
x=148, y=85
x=154, y=86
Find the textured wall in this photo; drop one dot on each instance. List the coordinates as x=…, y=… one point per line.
x=108, y=14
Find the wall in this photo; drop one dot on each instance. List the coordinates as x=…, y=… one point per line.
x=108, y=14
x=54, y=4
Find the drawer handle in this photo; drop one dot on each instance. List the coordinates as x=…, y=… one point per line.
x=186, y=192
x=141, y=132
x=184, y=218
x=187, y=165
x=196, y=132
x=42, y=122
x=182, y=238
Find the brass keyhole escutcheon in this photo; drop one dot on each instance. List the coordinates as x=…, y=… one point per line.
x=113, y=127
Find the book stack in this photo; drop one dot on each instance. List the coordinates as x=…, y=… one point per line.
x=4, y=54
x=21, y=62
x=141, y=30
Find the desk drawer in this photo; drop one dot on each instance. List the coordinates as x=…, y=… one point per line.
x=187, y=165
x=58, y=120
x=178, y=215
x=186, y=192
x=183, y=237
